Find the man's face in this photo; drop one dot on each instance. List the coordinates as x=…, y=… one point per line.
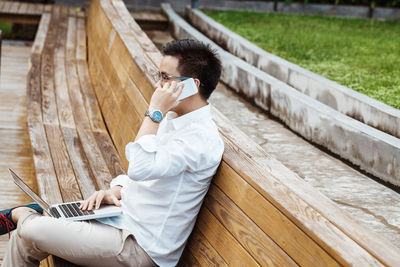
x=169, y=66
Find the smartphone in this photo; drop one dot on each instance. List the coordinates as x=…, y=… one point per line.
x=189, y=88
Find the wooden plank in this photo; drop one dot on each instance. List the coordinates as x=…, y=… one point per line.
x=134, y=29
x=81, y=40
x=38, y=9
x=100, y=88
x=45, y=174
x=19, y=18
x=377, y=246
x=187, y=260
x=112, y=113
x=286, y=234
x=49, y=107
x=89, y=98
x=128, y=134
x=78, y=109
x=199, y=248
x=228, y=247
x=110, y=153
x=248, y=234
x=61, y=161
x=148, y=16
x=14, y=7
x=33, y=90
x=28, y=10
x=95, y=158
x=65, y=115
x=122, y=91
x=89, y=144
x=327, y=235
x=81, y=14
x=47, y=8
x=72, y=12
x=84, y=176
x=63, y=102
x=145, y=75
x=23, y=8
x=6, y=7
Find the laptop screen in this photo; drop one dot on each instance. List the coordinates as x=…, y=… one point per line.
x=18, y=181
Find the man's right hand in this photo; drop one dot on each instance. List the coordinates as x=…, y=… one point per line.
x=110, y=196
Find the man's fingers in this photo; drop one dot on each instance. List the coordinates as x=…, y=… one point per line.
x=92, y=200
x=172, y=86
x=178, y=90
x=85, y=204
x=99, y=199
x=116, y=201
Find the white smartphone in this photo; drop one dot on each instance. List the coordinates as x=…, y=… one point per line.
x=189, y=88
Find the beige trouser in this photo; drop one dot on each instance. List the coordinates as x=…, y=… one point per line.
x=87, y=243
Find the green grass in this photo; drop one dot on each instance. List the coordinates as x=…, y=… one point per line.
x=6, y=29
x=358, y=53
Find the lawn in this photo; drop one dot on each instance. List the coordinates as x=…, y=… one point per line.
x=6, y=29
x=361, y=54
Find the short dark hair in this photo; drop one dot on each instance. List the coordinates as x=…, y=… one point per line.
x=197, y=60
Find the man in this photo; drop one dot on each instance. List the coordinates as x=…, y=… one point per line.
x=171, y=164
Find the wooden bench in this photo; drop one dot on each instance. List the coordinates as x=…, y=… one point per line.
x=257, y=212
x=73, y=153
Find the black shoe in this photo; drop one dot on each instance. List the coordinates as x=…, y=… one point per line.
x=6, y=222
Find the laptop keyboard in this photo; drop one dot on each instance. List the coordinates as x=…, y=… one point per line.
x=72, y=210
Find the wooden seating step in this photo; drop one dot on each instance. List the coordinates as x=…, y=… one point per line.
x=247, y=197
x=73, y=153
x=150, y=21
x=256, y=213
x=26, y=13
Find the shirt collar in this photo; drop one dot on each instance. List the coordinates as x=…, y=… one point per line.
x=196, y=115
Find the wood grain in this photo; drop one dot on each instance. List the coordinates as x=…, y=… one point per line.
x=228, y=247
x=111, y=41
x=327, y=235
x=62, y=164
x=65, y=115
x=15, y=147
x=41, y=33
x=202, y=251
x=49, y=107
x=6, y=7
x=110, y=154
x=248, y=234
x=377, y=246
x=14, y=7
x=134, y=29
x=187, y=260
x=284, y=233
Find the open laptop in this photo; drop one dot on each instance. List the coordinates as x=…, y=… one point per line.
x=68, y=210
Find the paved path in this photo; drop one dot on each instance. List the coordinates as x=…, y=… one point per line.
x=15, y=146
x=371, y=203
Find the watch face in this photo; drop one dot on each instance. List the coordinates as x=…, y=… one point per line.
x=157, y=115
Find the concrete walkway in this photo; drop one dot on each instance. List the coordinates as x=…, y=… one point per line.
x=371, y=203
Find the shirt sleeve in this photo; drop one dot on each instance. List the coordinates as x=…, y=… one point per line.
x=122, y=180
x=149, y=159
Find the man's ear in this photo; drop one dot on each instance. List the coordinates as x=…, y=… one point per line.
x=197, y=81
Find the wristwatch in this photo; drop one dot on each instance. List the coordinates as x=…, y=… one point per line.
x=155, y=115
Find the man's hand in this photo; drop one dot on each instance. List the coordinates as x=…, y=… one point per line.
x=164, y=97
x=110, y=196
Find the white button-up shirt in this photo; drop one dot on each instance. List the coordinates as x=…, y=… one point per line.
x=168, y=176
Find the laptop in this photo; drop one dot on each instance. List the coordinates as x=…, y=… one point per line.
x=69, y=210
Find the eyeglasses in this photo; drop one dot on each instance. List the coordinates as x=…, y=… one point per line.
x=164, y=77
